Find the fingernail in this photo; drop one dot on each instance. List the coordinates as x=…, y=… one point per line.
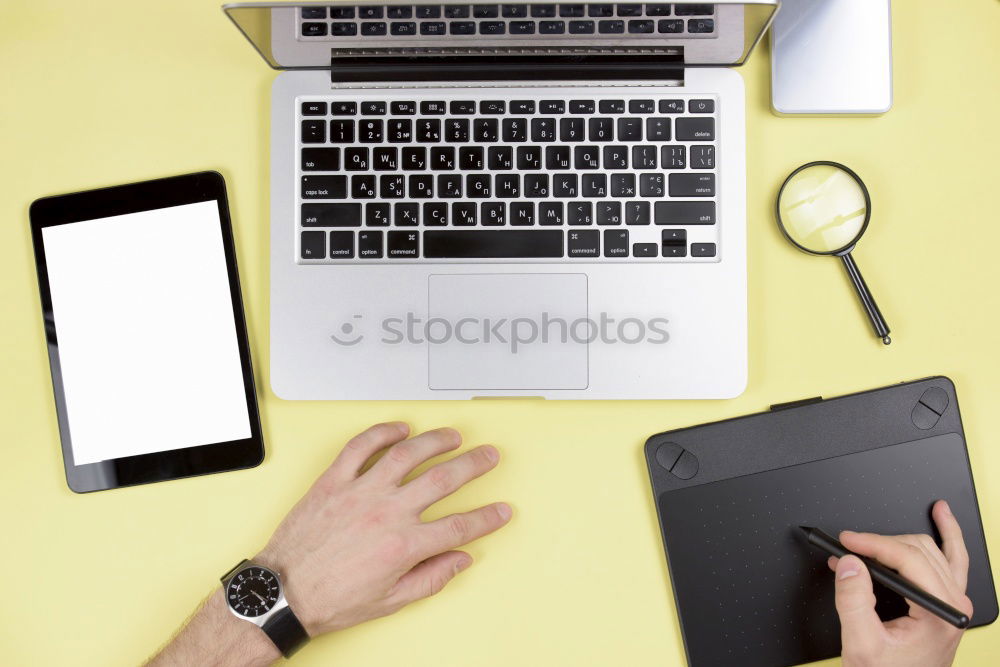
x=847, y=568
x=946, y=507
x=402, y=427
x=491, y=453
x=462, y=564
x=505, y=511
x=847, y=532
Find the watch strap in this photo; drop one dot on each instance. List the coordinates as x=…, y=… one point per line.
x=285, y=630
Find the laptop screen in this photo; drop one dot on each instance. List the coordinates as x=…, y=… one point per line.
x=319, y=35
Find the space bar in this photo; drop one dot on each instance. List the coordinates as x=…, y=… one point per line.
x=490, y=244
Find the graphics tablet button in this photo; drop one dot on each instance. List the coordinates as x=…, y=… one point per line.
x=923, y=417
x=936, y=399
x=686, y=466
x=668, y=453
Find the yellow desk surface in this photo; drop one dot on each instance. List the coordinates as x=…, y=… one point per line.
x=107, y=91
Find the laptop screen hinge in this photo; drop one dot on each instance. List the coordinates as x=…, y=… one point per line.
x=357, y=66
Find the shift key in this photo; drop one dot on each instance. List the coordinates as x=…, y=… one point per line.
x=685, y=213
x=324, y=187
x=692, y=185
x=331, y=215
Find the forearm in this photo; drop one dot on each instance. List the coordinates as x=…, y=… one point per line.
x=214, y=636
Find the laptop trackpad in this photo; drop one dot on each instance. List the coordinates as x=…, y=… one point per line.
x=508, y=331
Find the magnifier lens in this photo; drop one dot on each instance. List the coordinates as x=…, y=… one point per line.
x=822, y=208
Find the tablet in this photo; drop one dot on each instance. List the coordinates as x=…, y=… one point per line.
x=146, y=337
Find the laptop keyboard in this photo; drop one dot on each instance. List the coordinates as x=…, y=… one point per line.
x=503, y=175
x=450, y=21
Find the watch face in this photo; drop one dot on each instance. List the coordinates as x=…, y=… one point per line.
x=253, y=592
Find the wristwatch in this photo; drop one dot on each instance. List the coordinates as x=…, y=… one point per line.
x=254, y=593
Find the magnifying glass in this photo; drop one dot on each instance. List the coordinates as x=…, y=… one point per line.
x=823, y=208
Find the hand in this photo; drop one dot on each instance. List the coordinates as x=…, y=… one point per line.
x=920, y=638
x=354, y=548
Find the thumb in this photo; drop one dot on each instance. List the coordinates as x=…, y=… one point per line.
x=861, y=631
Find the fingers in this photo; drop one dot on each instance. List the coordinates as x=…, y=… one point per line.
x=861, y=629
x=458, y=529
x=364, y=445
x=445, y=478
x=952, y=543
x=400, y=461
x=910, y=561
x=428, y=577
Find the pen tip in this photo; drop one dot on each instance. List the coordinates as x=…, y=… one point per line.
x=806, y=528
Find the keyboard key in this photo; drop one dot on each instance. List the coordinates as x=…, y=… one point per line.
x=402, y=28
x=428, y=11
x=551, y=27
x=611, y=106
x=421, y=187
x=594, y=185
x=341, y=245
x=313, y=245
x=514, y=11
x=529, y=157
x=377, y=215
x=400, y=130
x=369, y=131
x=644, y=250
x=492, y=107
x=651, y=185
x=373, y=28
x=449, y=186
x=414, y=158
x=584, y=243
x=492, y=28
x=703, y=250
x=543, y=129
x=370, y=245
x=601, y=129
x=373, y=108
x=432, y=28
x=702, y=157
x=331, y=215
x=356, y=159
x=695, y=129
x=456, y=11
x=470, y=158
x=314, y=12
x=456, y=130
x=600, y=10
x=611, y=27
x=405, y=215
x=314, y=108
x=694, y=10
x=514, y=130
x=550, y=213
x=644, y=157
x=637, y=213
x=313, y=132
x=557, y=157
x=581, y=106
x=342, y=131
x=670, y=26
x=403, y=244
x=580, y=213
x=552, y=106
x=435, y=214
x=674, y=250
x=658, y=9
x=570, y=11
x=692, y=185
x=641, y=106
x=658, y=129
x=320, y=159
x=324, y=187
x=385, y=159
x=404, y=108
x=462, y=107
x=392, y=187
x=508, y=186
x=363, y=186
x=674, y=237
x=610, y=213
x=522, y=214
x=565, y=185
x=629, y=129
x=342, y=12
x=462, y=28
x=522, y=106
x=399, y=12
x=522, y=27
x=485, y=11
x=485, y=130
x=615, y=157
x=700, y=25
x=536, y=186
x=623, y=185
x=432, y=108
x=701, y=106
x=673, y=157
x=630, y=10
x=313, y=29
x=343, y=108
x=492, y=214
x=493, y=244
x=616, y=243
x=428, y=130
x=581, y=27
x=586, y=157
x=640, y=26
x=343, y=29
x=500, y=158
x=543, y=11
x=571, y=129
x=477, y=186
x=370, y=12
x=671, y=106
x=685, y=212
x=463, y=214
x=443, y=158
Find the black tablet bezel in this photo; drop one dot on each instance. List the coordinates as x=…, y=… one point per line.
x=135, y=198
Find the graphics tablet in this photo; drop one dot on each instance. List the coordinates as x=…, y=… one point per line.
x=731, y=495
x=145, y=330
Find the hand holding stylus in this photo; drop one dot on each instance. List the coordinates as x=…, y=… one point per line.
x=919, y=638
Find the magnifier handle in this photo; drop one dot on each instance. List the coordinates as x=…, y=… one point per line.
x=867, y=300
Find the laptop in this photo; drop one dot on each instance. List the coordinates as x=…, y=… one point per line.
x=475, y=199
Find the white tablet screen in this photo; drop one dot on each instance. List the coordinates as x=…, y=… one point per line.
x=147, y=341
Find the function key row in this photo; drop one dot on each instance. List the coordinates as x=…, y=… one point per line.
x=491, y=244
x=457, y=11
x=499, y=107
x=491, y=28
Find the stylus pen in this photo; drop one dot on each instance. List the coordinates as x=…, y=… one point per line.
x=890, y=579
